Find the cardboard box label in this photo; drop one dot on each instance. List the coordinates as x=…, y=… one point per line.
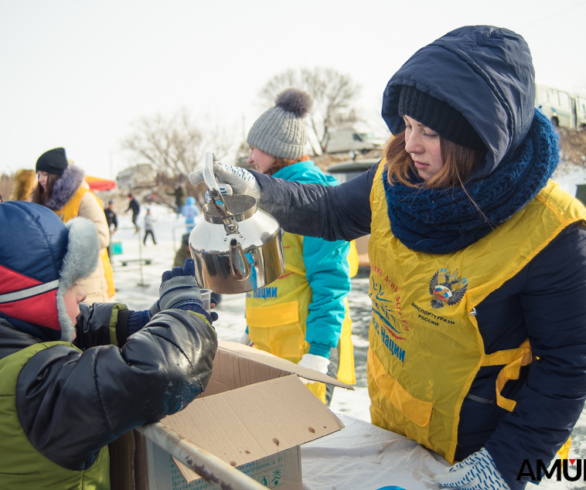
x=281, y=470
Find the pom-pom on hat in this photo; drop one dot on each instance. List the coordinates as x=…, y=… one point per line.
x=280, y=131
x=53, y=162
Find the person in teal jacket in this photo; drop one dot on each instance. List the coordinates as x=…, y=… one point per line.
x=303, y=315
x=190, y=212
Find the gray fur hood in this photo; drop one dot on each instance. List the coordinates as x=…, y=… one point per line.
x=65, y=187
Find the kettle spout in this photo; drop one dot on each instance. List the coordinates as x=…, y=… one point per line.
x=239, y=266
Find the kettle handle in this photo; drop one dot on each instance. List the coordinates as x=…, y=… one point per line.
x=239, y=266
x=209, y=178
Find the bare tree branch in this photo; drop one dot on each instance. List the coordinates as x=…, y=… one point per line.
x=175, y=145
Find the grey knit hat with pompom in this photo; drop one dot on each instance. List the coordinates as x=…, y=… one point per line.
x=280, y=131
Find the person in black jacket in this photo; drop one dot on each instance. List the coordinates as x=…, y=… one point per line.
x=179, y=197
x=111, y=217
x=135, y=208
x=112, y=220
x=478, y=261
x=73, y=378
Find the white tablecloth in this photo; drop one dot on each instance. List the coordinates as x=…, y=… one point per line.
x=365, y=457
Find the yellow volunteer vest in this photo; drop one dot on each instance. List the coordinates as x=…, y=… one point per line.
x=425, y=347
x=276, y=315
x=70, y=211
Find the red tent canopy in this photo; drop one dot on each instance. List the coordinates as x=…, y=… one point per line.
x=98, y=184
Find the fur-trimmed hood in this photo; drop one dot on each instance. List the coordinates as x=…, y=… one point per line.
x=22, y=185
x=40, y=259
x=65, y=187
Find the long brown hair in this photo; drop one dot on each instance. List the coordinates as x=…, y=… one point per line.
x=40, y=195
x=459, y=163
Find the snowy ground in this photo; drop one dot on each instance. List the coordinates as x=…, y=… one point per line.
x=138, y=286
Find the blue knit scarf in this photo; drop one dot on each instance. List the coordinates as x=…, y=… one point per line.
x=445, y=220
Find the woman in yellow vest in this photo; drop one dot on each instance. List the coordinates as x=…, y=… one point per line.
x=62, y=188
x=478, y=261
x=302, y=316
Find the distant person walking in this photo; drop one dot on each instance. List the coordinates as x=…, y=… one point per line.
x=190, y=212
x=179, y=197
x=148, y=227
x=112, y=221
x=135, y=208
x=111, y=217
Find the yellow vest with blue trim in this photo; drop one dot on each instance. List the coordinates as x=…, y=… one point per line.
x=21, y=465
x=425, y=347
x=276, y=314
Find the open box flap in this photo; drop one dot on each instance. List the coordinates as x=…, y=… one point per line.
x=254, y=421
x=262, y=357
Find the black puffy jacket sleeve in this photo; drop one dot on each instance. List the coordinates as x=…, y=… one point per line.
x=71, y=404
x=331, y=212
x=101, y=324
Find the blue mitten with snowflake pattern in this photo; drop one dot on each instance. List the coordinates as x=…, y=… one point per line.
x=476, y=472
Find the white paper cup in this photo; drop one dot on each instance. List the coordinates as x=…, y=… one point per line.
x=206, y=298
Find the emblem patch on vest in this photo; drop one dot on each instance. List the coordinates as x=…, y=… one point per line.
x=447, y=288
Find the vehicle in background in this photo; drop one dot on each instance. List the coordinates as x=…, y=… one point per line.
x=141, y=175
x=581, y=193
x=343, y=172
x=562, y=108
x=350, y=140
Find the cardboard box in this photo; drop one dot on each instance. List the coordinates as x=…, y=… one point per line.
x=254, y=415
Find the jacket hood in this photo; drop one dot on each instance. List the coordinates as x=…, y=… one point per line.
x=484, y=72
x=23, y=185
x=65, y=186
x=306, y=172
x=40, y=259
x=190, y=201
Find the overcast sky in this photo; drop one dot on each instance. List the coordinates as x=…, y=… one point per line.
x=76, y=73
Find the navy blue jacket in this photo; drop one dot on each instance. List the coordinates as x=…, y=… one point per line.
x=545, y=302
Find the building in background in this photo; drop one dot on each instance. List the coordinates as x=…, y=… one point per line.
x=141, y=175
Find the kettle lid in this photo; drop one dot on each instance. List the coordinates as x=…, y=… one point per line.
x=241, y=206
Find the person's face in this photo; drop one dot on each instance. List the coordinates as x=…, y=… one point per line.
x=423, y=144
x=262, y=161
x=72, y=298
x=43, y=179
x=111, y=206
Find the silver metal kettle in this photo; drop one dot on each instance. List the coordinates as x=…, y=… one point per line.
x=236, y=247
